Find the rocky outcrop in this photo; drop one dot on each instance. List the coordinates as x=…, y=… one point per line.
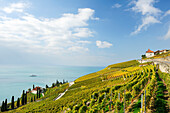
x=163, y=66
x=164, y=63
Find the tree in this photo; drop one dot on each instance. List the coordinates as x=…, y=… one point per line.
x=143, y=56
x=34, y=98
x=6, y=107
x=37, y=93
x=63, y=81
x=57, y=82
x=23, y=99
x=18, y=102
x=46, y=86
x=31, y=99
x=53, y=85
x=3, y=107
x=33, y=86
x=12, y=103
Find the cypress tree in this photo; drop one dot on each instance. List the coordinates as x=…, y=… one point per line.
x=53, y=85
x=37, y=92
x=33, y=86
x=57, y=83
x=5, y=105
x=12, y=103
x=18, y=102
x=2, y=107
x=34, y=98
x=46, y=86
x=31, y=99
x=23, y=99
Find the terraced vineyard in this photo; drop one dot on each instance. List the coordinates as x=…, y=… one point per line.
x=117, y=88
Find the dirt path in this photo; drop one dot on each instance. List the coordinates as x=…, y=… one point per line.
x=166, y=93
x=62, y=94
x=136, y=98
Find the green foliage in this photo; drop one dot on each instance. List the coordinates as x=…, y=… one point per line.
x=12, y=103
x=124, y=64
x=5, y=104
x=18, y=102
x=83, y=109
x=75, y=100
x=143, y=56
x=23, y=98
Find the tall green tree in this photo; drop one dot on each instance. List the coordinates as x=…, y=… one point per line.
x=53, y=85
x=3, y=107
x=63, y=81
x=46, y=86
x=33, y=86
x=31, y=99
x=34, y=98
x=6, y=107
x=37, y=92
x=57, y=83
x=18, y=102
x=12, y=103
x=23, y=99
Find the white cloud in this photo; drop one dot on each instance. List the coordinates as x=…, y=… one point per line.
x=78, y=49
x=167, y=36
x=103, y=44
x=15, y=7
x=50, y=35
x=145, y=7
x=146, y=21
x=83, y=42
x=166, y=13
x=148, y=11
x=83, y=32
x=116, y=5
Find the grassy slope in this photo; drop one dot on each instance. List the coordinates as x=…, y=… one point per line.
x=83, y=88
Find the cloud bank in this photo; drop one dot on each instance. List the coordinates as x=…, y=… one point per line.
x=68, y=33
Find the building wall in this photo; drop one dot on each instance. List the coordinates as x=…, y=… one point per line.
x=34, y=92
x=149, y=55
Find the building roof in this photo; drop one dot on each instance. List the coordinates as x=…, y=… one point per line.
x=149, y=51
x=37, y=88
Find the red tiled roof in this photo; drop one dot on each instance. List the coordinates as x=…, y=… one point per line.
x=36, y=88
x=149, y=51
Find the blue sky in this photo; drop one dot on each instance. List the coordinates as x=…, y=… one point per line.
x=81, y=32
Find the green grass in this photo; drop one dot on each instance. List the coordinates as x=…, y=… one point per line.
x=124, y=64
x=108, y=70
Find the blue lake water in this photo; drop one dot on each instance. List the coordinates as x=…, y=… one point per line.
x=14, y=79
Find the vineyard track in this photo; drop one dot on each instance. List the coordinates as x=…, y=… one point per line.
x=166, y=93
x=135, y=99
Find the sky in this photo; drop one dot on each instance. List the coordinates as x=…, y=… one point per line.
x=81, y=32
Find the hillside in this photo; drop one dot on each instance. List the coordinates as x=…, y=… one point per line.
x=108, y=90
